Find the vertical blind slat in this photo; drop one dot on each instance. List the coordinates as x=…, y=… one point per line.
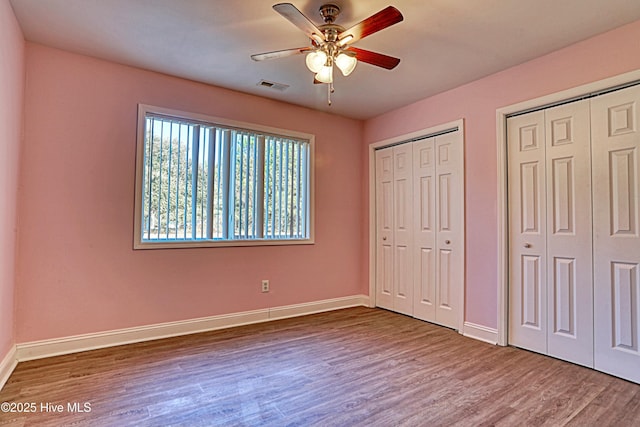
x=159, y=185
x=273, y=188
x=259, y=189
x=178, y=223
x=186, y=199
x=149, y=174
x=245, y=186
x=280, y=172
x=195, y=147
x=168, y=216
x=226, y=174
x=286, y=168
x=210, y=179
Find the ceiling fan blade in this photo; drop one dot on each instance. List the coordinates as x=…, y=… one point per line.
x=374, y=58
x=379, y=21
x=298, y=19
x=279, y=54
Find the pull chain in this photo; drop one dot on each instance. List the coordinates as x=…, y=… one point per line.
x=330, y=90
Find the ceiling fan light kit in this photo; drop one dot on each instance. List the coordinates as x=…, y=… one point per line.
x=346, y=63
x=330, y=43
x=316, y=60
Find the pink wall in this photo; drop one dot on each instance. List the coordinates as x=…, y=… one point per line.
x=11, y=103
x=594, y=59
x=77, y=272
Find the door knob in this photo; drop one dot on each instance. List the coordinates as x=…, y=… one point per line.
x=447, y=242
x=527, y=245
x=384, y=238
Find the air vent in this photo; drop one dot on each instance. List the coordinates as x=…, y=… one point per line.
x=273, y=85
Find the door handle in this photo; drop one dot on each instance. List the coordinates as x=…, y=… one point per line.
x=447, y=242
x=527, y=245
x=384, y=238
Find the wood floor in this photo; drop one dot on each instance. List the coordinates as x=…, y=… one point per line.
x=349, y=367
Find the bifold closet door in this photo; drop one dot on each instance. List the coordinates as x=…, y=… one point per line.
x=615, y=119
x=527, y=232
x=424, y=217
x=420, y=228
x=550, y=286
x=384, y=228
x=438, y=213
x=403, y=229
x=394, y=229
x=569, y=233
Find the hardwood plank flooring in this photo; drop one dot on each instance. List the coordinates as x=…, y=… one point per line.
x=349, y=367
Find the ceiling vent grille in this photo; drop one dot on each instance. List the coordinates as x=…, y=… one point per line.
x=273, y=85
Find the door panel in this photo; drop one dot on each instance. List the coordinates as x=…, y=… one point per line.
x=530, y=196
x=403, y=229
x=384, y=228
x=625, y=306
x=450, y=225
x=569, y=233
x=616, y=191
x=444, y=286
x=425, y=232
x=531, y=289
x=527, y=232
x=564, y=296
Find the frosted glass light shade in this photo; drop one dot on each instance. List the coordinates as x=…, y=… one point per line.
x=316, y=60
x=325, y=75
x=346, y=63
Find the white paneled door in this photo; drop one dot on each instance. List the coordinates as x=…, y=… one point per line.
x=420, y=226
x=424, y=215
x=384, y=228
x=527, y=232
x=449, y=236
x=569, y=233
x=402, y=229
x=615, y=119
x=551, y=303
x=574, y=243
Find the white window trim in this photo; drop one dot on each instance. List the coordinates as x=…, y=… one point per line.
x=138, y=243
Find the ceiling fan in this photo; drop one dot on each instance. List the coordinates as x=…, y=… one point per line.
x=331, y=43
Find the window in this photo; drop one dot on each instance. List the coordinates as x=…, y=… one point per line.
x=204, y=181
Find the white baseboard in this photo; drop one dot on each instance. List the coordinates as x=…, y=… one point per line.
x=7, y=365
x=481, y=333
x=317, y=307
x=78, y=343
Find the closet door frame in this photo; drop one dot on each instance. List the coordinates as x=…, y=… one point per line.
x=501, y=336
x=422, y=133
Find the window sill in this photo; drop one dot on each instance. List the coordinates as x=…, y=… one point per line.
x=170, y=244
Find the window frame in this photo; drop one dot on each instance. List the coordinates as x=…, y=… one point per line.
x=139, y=243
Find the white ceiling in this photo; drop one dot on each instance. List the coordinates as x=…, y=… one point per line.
x=442, y=43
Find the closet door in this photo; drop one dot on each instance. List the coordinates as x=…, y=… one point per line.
x=527, y=232
x=384, y=228
x=403, y=229
x=449, y=209
x=569, y=276
x=551, y=302
x=420, y=229
x=615, y=125
x=394, y=229
x=424, y=219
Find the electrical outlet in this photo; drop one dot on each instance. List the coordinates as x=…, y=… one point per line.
x=265, y=286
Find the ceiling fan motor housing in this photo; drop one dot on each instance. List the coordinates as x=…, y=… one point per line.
x=329, y=12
